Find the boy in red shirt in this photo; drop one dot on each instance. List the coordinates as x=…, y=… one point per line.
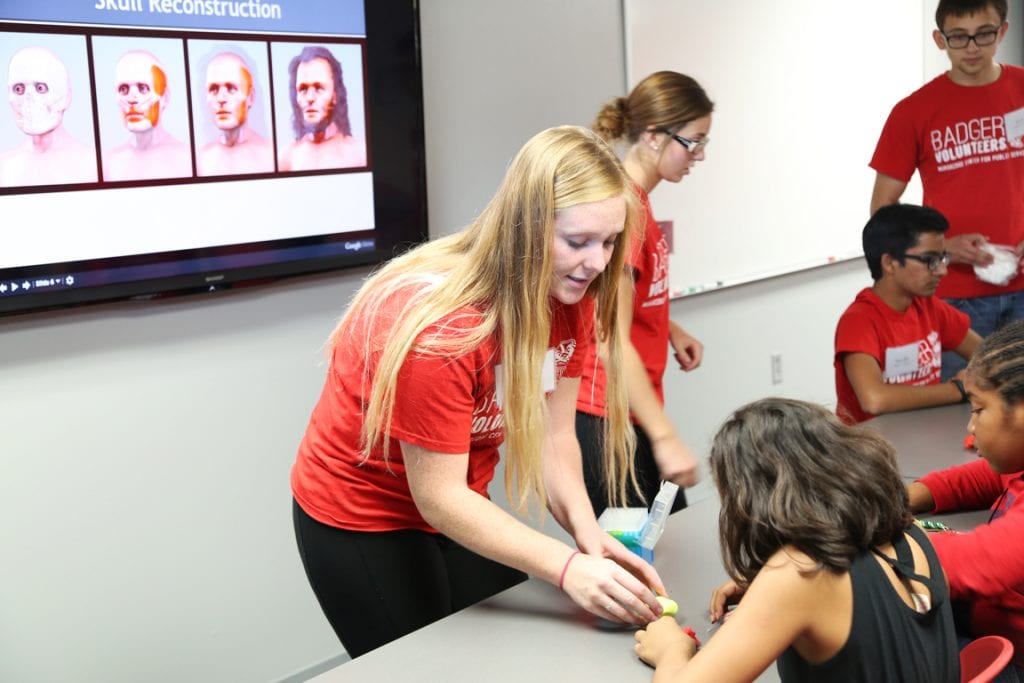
x=889, y=341
x=960, y=133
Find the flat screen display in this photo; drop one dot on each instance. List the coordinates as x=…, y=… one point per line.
x=157, y=147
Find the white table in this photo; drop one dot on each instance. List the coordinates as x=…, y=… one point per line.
x=534, y=632
x=928, y=439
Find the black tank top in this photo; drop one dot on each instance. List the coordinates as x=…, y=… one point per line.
x=889, y=642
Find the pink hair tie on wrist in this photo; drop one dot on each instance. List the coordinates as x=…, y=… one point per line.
x=561, y=579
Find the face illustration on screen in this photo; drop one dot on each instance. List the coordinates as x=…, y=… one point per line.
x=229, y=91
x=141, y=90
x=315, y=93
x=38, y=89
x=176, y=124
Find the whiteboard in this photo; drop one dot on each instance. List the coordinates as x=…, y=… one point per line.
x=801, y=91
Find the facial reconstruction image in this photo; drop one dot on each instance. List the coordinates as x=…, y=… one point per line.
x=231, y=100
x=142, y=87
x=321, y=112
x=39, y=90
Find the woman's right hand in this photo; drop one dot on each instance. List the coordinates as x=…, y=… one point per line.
x=604, y=588
x=729, y=593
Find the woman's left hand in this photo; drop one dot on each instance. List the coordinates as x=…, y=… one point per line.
x=689, y=351
x=676, y=462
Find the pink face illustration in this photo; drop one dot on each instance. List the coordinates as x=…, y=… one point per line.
x=141, y=91
x=38, y=90
x=229, y=91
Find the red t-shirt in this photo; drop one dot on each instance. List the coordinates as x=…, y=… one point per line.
x=908, y=346
x=648, y=331
x=445, y=403
x=971, y=163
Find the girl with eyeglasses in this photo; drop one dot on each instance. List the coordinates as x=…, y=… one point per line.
x=986, y=566
x=662, y=129
x=832, y=578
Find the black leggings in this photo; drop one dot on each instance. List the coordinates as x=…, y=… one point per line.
x=590, y=432
x=375, y=587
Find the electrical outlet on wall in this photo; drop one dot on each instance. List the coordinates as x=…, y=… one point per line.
x=776, y=368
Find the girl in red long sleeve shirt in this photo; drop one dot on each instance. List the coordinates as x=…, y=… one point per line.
x=985, y=567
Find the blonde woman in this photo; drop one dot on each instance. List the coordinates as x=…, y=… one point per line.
x=663, y=125
x=462, y=344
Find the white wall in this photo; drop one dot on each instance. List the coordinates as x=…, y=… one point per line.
x=770, y=128
x=145, y=530
x=794, y=316
x=144, y=503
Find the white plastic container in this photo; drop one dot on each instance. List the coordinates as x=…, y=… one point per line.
x=637, y=529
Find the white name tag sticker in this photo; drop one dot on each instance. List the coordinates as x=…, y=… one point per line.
x=900, y=360
x=547, y=373
x=1014, y=124
x=499, y=384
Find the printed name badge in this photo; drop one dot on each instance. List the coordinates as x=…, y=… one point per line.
x=1014, y=124
x=547, y=373
x=499, y=384
x=899, y=360
x=547, y=377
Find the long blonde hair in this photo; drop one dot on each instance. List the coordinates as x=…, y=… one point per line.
x=501, y=265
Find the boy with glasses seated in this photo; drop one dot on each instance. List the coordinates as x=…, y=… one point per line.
x=889, y=341
x=963, y=132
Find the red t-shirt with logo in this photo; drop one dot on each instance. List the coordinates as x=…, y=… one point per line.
x=648, y=331
x=908, y=346
x=966, y=143
x=444, y=403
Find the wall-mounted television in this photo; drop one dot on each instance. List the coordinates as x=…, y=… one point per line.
x=158, y=147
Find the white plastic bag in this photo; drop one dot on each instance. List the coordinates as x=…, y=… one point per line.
x=1003, y=267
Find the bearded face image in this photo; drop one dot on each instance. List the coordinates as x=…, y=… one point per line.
x=315, y=94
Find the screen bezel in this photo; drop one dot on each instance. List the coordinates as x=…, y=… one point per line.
x=395, y=132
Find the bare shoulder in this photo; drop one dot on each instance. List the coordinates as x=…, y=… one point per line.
x=790, y=575
x=811, y=603
x=790, y=559
x=786, y=599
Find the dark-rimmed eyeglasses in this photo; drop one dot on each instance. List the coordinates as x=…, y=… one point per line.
x=692, y=146
x=933, y=259
x=959, y=41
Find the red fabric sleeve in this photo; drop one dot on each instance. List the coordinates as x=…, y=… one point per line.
x=987, y=562
x=581, y=329
x=434, y=402
x=853, y=335
x=973, y=486
x=635, y=254
x=896, y=151
x=954, y=324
